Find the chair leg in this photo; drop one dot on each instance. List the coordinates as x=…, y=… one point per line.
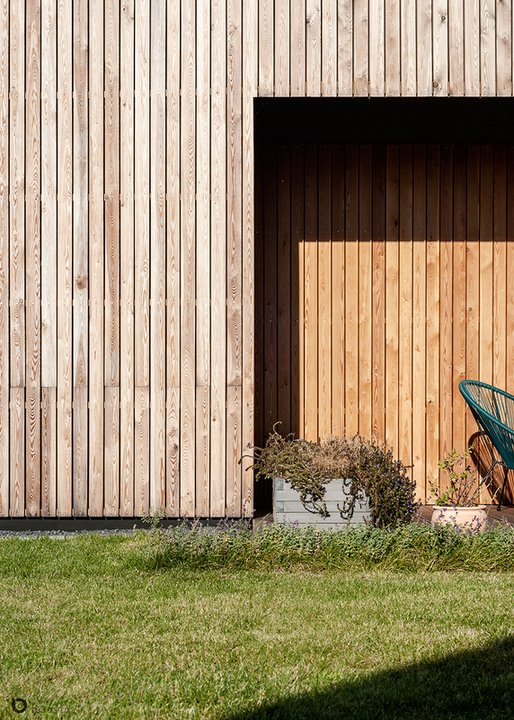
x=505, y=476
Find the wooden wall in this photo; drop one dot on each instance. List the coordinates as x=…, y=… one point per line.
x=126, y=223
x=381, y=282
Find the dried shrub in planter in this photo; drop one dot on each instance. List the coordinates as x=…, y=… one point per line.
x=370, y=465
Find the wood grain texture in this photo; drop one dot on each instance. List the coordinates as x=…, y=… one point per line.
x=203, y=257
x=127, y=349
x=187, y=260
x=158, y=257
x=173, y=80
x=90, y=285
x=17, y=256
x=33, y=258
x=112, y=259
x=397, y=256
x=129, y=276
x=4, y=258
x=64, y=259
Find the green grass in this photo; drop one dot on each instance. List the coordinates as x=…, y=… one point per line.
x=88, y=631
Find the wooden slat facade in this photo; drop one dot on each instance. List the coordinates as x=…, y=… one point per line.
x=361, y=316
x=132, y=254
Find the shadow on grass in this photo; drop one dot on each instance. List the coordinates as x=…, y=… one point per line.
x=477, y=684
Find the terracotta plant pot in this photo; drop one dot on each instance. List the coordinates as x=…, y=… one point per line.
x=471, y=518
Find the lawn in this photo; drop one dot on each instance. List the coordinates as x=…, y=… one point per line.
x=87, y=633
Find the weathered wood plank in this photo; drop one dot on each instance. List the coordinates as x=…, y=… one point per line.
x=80, y=257
x=313, y=47
x=4, y=259
x=270, y=290
x=378, y=291
x=472, y=48
x=218, y=259
x=297, y=45
x=459, y=279
x=504, y=57
x=433, y=303
x=284, y=289
x=424, y=47
x=203, y=257
x=351, y=295
x=265, y=41
x=338, y=281
x=127, y=359
x=329, y=48
x=250, y=69
x=48, y=194
x=365, y=290
x=17, y=182
x=158, y=256
x=112, y=451
x=142, y=194
x=33, y=258
x=324, y=292
x=141, y=444
x=360, y=48
x=310, y=294
x=345, y=48
x=281, y=47
x=96, y=257
x=419, y=310
x=141, y=255
x=17, y=193
x=456, y=47
x=408, y=42
x=392, y=298
x=48, y=451
x=405, y=320
x=297, y=289
x=112, y=193
x=392, y=48
x=376, y=48
x=187, y=259
x=112, y=257
x=440, y=47
x=487, y=47
x=446, y=301
x=64, y=259
x=499, y=264
x=17, y=452
x=486, y=263
x=173, y=146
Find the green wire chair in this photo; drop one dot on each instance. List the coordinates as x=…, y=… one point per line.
x=493, y=409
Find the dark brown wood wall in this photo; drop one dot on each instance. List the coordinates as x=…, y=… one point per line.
x=381, y=282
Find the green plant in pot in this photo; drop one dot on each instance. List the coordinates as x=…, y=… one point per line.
x=365, y=466
x=458, y=504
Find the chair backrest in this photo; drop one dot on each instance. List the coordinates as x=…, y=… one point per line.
x=493, y=409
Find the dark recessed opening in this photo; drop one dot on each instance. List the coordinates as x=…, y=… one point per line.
x=383, y=120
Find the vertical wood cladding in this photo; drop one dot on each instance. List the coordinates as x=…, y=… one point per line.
x=127, y=232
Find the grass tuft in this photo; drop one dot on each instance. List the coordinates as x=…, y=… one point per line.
x=411, y=548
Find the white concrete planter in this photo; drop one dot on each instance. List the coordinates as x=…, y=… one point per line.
x=471, y=518
x=289, y=509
